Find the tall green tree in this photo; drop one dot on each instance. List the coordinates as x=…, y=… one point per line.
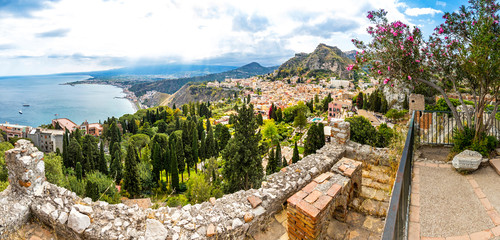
x=243, y=167
x=359, y=100
x=272, y=163
x=300, y=120
x=79, y=171
x=174, y=172
x=295, y=157
x=102, y=166
x=210, y=145
x=131, y=181
x=321, y=136
x=279, y=157
x=66, y=161
x=311, y=140
x=74, y=153
x=116, y=169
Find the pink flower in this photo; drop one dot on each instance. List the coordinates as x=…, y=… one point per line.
x=441, y=30
x=386, y=80
x=445, y=37
x=410, y=38
x=388, y=68
x=474, y=23
x=409, y=77
x=379, y=72
x=350, y=67
x=392, y=85
x=417, y=60
x=370, y=16
x=496, y=21
x=422, y=70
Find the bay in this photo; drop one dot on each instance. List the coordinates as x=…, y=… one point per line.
x=47, y=97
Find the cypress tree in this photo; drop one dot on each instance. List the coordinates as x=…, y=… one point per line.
x=406, y=104
x=359, y=100
x=295, y=157
x=210, y=146
x=279, y=115
x=272, y=163
x=74, y=153
x=311, y=140
x=285, y=163
x=92, y=190
x=243, y=168
x=279, y=158
x=194, y=157
x=131, y=178
x=103, y=167
x=321, y=136
x=174, y=171
x=203, y=148
x=116, y=163
x=156, y=159
x=260, y=120
x=78, y=171
x=66, y=160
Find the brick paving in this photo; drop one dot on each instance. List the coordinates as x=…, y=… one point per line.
x=481, y=198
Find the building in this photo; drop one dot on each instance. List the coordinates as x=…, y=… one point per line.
x=14, y=130
x=339, y=83
x=94, y=129
x=416, y=102
x=47, y=140
x=336, y=108
x=64, y=124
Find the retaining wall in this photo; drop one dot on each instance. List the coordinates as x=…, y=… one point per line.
x=230, y=217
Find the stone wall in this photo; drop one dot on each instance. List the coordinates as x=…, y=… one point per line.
x=340, y=132
x=367, y=153
x=230, y=217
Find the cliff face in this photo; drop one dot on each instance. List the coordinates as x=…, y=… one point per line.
x=327, y=59
x=194, y=93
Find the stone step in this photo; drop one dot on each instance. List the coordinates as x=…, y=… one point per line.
x=381, y=177
x=370, y=207
x=368, y=182
x=495, y=164
x=375, y=194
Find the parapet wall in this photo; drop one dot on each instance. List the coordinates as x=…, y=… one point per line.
x=231, y=217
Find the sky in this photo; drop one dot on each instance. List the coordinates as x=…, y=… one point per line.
x=55, y=36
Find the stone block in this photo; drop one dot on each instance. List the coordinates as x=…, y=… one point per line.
x=495, y=164
x=254, y=201
x=155, y=230
x=77, y=221
x=467, y=160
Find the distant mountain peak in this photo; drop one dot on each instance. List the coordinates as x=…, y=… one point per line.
x=328, y=59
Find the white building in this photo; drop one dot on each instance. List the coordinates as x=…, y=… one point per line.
x=47, y=140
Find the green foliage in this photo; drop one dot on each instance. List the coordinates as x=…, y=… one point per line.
x=74, y=153
x=310, y=146
x=3, y=185
x=145, y=177
x=116, y=168
x=465, y=139
x=198, y=190
x=243, y=167
x=54, y=169
x=290, y=113
x=300, y=120
x=295, y=157
x=176, y=201
x=272, y=163
x=4, y=146
x=270, y=131
x=363, y=132
x=79, y=171
x=76, y=185
x=395, y=114
x=131, y=177
x=102, y=184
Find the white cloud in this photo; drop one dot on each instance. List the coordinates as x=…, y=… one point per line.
x=421, y=11
x=442, y=4
x=177, y=30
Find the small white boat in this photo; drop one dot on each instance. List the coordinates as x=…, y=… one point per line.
x=20, y=112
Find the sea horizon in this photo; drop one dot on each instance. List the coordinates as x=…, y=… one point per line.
x=48, y=98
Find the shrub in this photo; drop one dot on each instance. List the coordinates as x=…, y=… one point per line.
x=176, y=201
x=101, y=184
x=76, y=185
x=362, y=130
x=198, y=190
x=3, y=185
x=463, y=140
x=53, y=169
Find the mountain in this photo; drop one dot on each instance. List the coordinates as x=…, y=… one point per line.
x=159, y=71
x=324, y=61
x=351, y=54
x=172, y=85
x=194, y=92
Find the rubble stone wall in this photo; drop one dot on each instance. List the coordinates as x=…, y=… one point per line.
x=367, y=153
x=231, y=217
x=341, y=131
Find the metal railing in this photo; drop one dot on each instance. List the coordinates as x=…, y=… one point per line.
x=437, y=127
x=396, y=223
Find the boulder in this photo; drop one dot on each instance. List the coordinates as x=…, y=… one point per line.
x=78, y=221
x=155, y=230
x=467, y=160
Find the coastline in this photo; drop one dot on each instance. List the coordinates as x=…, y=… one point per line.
x=130, y=96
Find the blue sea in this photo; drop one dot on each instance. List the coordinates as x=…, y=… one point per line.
x=47, y=97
